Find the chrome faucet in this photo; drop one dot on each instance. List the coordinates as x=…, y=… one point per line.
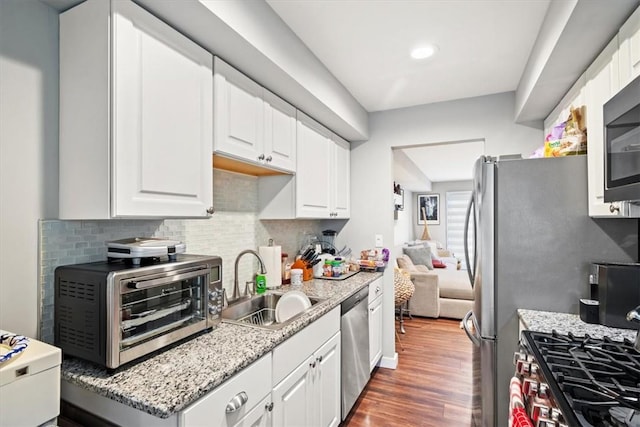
x=236, y=287
x=634, y=316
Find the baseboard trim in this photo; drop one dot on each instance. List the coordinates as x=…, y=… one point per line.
x=389, y=362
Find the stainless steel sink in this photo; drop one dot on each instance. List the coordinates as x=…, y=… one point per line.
x=259, y=311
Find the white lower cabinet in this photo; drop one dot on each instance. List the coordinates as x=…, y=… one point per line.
x=375, y=323
x=310, y=395
x=247, y=397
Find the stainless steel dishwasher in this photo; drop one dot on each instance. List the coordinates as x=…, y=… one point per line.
x=354, y=328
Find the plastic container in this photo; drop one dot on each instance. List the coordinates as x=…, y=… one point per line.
x=261, y=283
x=327, y=269
x=296, y=276
x=286, y=269
x=336, y=270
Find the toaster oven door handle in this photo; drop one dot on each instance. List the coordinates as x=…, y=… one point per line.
x=144, y=284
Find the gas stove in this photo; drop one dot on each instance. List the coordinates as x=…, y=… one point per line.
x=580, y=381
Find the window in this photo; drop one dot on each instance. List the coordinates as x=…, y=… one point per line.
x=457, y=202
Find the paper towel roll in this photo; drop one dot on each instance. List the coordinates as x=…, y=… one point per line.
x=271, y=255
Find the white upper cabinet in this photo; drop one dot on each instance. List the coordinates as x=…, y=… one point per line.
x=252, y=124
x=614, y=68
x=322, y=181
x=602, y=82
x=136, y=121
x=313, y=180
x=341, y=197
x=629, y=50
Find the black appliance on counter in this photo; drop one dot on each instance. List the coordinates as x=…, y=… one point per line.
x=579, y=381
x=616, y=288
x=111, y=313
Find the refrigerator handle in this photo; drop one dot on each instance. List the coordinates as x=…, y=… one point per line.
x=473, y=335
x=470, y=270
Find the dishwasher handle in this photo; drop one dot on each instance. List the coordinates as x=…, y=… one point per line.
x=354, y=300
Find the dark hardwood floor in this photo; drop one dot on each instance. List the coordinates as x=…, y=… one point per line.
x=430, y=387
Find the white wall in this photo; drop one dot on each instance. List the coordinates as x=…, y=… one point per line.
x=28, y=152
x=488, y=117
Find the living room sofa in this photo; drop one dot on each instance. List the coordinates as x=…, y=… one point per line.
x=440, y=292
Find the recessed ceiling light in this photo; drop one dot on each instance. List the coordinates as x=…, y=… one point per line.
x=423, y=52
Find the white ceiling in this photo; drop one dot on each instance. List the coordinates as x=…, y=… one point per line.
x=484, y=48
x=483, y=45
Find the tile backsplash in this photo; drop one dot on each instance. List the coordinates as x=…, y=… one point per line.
x=234, y=227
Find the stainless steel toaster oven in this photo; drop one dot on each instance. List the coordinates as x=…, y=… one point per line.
x=112, y=313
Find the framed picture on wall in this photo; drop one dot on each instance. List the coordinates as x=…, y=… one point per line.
x=428, y=208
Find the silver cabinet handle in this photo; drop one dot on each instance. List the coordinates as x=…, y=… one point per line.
x=269, y=406
x=613, y=208
x=268, y=159
x=312, y=364
x=261, y=157
x=237, y=402
x=211, y=210
x=319, y=359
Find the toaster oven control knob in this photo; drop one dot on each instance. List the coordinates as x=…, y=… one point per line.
x=213, y=295
x=213, y=309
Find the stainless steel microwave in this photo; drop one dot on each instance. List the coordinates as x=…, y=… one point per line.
x=622, y=145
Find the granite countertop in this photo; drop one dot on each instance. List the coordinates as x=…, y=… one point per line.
x=546, y=321
x=167, y=382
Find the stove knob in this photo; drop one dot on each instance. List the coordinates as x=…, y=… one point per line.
x=534, y=369
x=518, y=355
x=556, y=415
x=543, y=391
x=546, y=422
x=530, y=387
x=538, y=411
x=523, y=367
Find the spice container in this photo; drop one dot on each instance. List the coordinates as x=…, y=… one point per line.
x=286, y=269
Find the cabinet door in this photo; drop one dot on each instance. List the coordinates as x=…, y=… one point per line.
x=253, y=382
x=629, y=51
x=238, y=114
x=327, y=383
x=292, y=397
x=161, y=118
x=602, y=84
x=375, y=332
x=313, y=179
x=341, y=199
x=279, y=133
x=260, y=416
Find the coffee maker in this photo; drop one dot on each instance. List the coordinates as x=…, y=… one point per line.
x=615, y=290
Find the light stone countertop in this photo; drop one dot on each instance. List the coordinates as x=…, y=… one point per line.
x=167, y=382
x=546, y=321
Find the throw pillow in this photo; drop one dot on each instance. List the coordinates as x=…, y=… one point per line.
x=404, y=262
x=419, y=255
x=438, y=264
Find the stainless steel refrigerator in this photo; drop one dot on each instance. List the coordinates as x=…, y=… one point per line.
x=533, y=244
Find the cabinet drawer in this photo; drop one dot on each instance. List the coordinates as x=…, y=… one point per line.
x=375, y=289
x=254, y=381
x=296, y=349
